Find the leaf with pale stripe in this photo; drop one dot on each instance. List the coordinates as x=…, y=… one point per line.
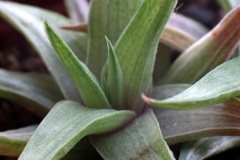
x=181, y=32
x=115, y=79
x=137, y=46
x=12, y=142
x=179, y=125
x=188, y=25
x=141, y=139
x=227, y=6
x=28, y=20
x=89, y=89
x=66, y=124
x=39, y=91
x=107, y=18
x=217, y=86
x=210, y=51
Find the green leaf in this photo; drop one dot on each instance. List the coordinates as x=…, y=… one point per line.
x=187, y=25
x=77, y=41
x=218, y=120
x=176, y=39
x=207, y=147
x=228, y=5
x=37, y=90
x=66, y=124
x=168, y=90
x=217, y=86
x=179, y=125
x=181, y=32
x=27, y=20
x=12, y=142
x=91, y=93
x=210, y=51
x=104, y=83
x=107, y=18
x=142, y=139
x=115, y=79
x=137, y=46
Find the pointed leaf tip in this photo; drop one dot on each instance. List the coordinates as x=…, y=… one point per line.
x=115, y=78
x=217, y=86
x=88, y=87
x=108, y=41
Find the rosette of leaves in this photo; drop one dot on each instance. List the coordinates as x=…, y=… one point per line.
x=97, y=100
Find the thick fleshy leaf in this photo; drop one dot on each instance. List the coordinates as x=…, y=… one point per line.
x=173, y=36
x=66, y=124
x=228, y=5
x=91, y=93
x=12, y=142
x=78, y=10
x=142, y=139
x=137, y=47
x=107, y=18
x=104, y=83
x=181, y=32
x=179, y=126
x=37, y=90
x=77, y=41
x=115, y=79
x=210, y=51
x=162, y=62
x=168, y=90
x=207, y=147
x=188, y=25
x=218, y=120
x=217, y=86
x=176, y=39
x=27, y=20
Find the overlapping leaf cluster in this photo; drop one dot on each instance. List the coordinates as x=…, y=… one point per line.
x=106, y=75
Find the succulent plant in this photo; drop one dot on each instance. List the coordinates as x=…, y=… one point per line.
x=113, y=92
